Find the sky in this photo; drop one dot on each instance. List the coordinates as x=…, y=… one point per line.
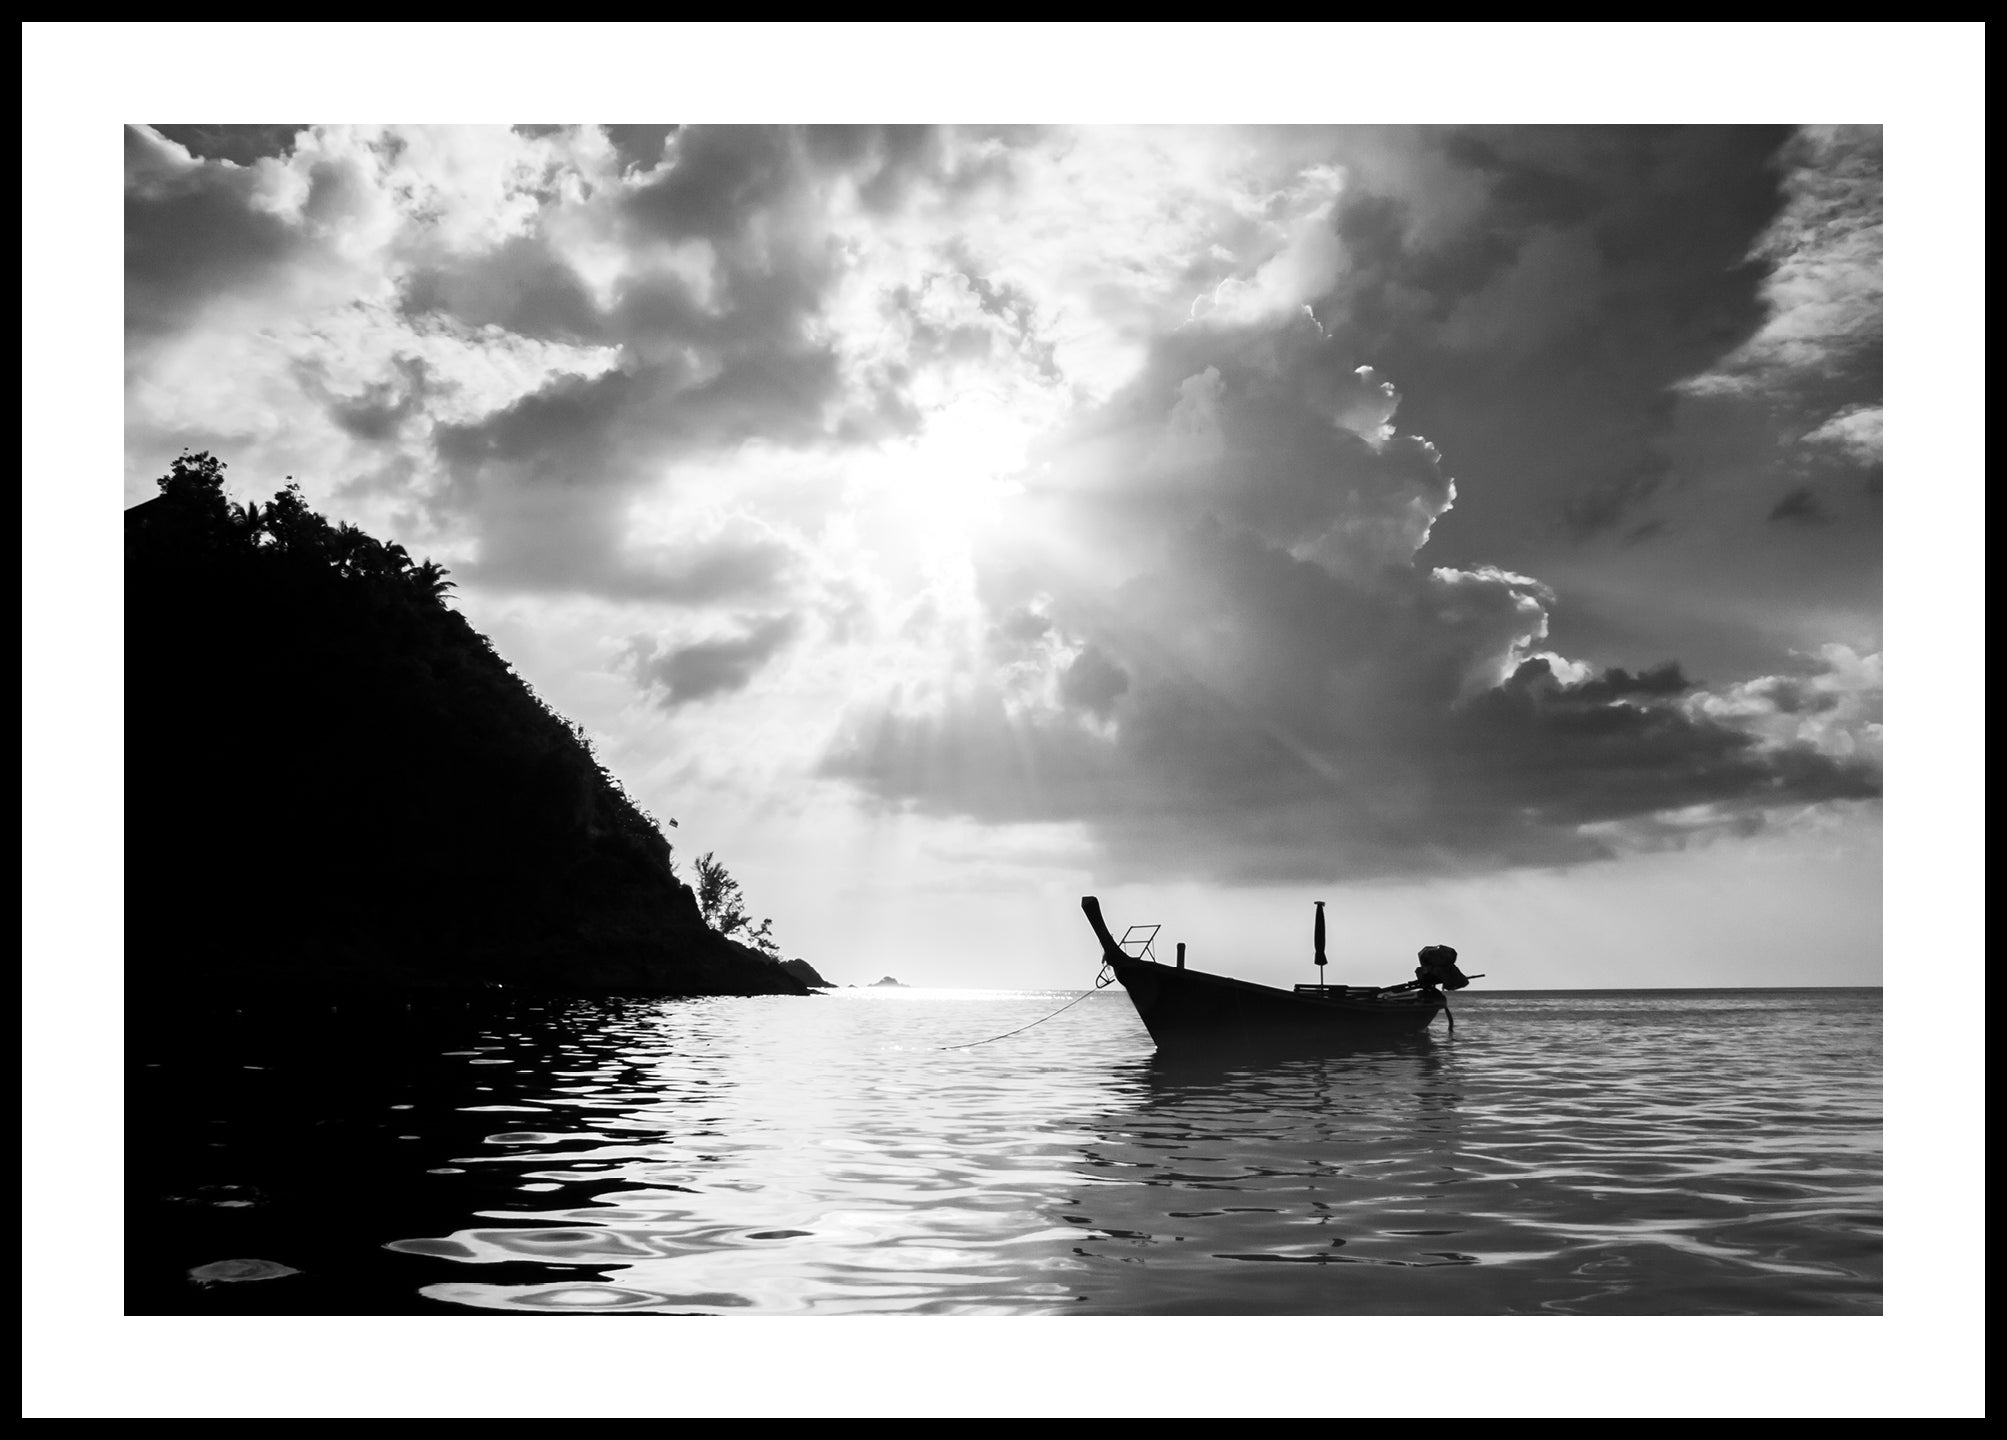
x=1477, y=528
x=943, y=525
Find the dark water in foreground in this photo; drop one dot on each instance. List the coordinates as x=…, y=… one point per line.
x=1699, y=1152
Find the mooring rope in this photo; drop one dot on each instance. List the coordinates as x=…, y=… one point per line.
x=1100, y=981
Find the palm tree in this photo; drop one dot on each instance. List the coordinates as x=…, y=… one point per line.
x=248, y=520
x=351, y=550
x=431, y=580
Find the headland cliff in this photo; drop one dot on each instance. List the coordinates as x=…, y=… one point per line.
x=334, y=784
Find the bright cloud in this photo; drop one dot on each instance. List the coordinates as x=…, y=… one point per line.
x=1824, y=290
x=1276, y=688
x=1855, y=432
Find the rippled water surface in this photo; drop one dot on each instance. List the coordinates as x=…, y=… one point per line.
x=1640, y=1152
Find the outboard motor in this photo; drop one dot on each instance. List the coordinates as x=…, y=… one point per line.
x=1438, y=968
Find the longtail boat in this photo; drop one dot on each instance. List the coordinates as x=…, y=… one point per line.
x=1189, y=1009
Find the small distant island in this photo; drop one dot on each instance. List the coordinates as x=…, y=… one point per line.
x=806, y=973
x=336, y=786
x=888, y=980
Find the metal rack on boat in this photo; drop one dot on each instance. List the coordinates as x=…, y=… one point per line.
x=1144, y=938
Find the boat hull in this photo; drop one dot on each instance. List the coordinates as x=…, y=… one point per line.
x=1190, y=1009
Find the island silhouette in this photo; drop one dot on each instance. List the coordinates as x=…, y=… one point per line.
x=335, y=783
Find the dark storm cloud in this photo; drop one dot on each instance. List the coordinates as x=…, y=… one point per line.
x=520, y=285
x=720, y=184
x=1540, y=327
x=241, y=144
x=192, y=234
x=1093, y=683
x=566, y=421
x=1349, y=757
x=1265, y=682
x=1568, y=755
x=1613, y=683
x=639, y=146
x=711, y=667
x=1524, y=189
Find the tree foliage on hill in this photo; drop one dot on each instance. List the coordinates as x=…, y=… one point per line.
x=721, y=902
x=327, y=760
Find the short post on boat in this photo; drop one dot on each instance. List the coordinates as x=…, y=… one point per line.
x=1317, y=941
x=1181, y=954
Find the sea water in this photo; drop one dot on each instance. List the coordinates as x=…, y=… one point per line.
x=876, y=1151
